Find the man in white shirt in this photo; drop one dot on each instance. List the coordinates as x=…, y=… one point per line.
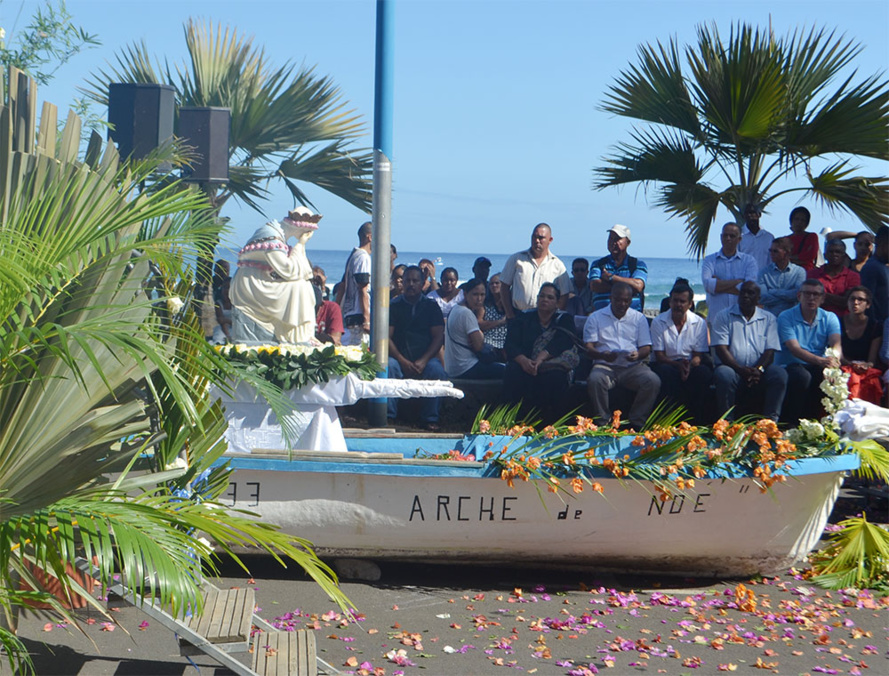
x=724, y=271
x=754, y=240
x=354, y=291
x=681, y=354
x=780, y=280
x=618, y=341
x=526, y=271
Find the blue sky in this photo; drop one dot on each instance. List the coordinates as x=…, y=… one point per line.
x=496, y=125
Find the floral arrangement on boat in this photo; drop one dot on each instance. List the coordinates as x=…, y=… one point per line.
x=573, y=455
x=294, y=366
x=669, y=452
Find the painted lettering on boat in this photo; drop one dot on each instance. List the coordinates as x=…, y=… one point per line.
x=252, y=490
x=677, y=503
x=563, y=515
x=463, y=508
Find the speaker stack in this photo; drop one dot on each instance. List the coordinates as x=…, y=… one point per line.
x=141, y=117
x=207, y=131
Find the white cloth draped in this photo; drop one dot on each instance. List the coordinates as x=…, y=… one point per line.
x=253, y=425
x=860, y=420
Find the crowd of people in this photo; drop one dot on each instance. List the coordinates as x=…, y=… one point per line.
x=772, y=321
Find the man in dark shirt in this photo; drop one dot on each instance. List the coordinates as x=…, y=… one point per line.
x=416, y=334
x=875, y=276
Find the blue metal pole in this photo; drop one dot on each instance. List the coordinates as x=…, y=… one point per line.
x=382, y=196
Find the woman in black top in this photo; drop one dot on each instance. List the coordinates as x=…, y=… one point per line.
x=539, y=345
x=862, y=337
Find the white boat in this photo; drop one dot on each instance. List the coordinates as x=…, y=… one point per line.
x=379, y=501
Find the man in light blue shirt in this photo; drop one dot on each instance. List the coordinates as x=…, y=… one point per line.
x=780, y=280
x=745, y=339
x=724, y=271
x=806, y=331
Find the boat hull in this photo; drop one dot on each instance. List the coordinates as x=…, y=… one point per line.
x=457, y=512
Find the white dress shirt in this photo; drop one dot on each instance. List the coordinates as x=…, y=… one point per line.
x=676, y=344
x=607, y=333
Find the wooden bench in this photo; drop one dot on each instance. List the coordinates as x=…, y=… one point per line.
x=282, y=653
x=225, y=622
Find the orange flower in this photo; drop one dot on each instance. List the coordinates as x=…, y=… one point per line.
x=597, y=487
x=577, y=484
x=615, y=419
x=533, y=462
x=484, y=427
x=550, y=432
x=568, y=459
x=552, y=484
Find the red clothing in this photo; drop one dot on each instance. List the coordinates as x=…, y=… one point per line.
x=329, y=318
x=838, y=284
x=804, y=248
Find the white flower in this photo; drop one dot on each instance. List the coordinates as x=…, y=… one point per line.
x=174, y=304
x=178, y=463
x=349, y=352
x=2, y=33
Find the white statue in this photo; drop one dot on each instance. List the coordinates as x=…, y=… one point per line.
x=272, y=296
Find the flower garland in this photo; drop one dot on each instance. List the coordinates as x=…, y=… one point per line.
x=294, y=366
x=836, y=393
x=671, y=454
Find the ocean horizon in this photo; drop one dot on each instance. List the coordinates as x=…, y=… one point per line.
x=662, y=272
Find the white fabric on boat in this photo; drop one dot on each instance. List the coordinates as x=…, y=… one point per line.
x=862, y=420
x=253, y=425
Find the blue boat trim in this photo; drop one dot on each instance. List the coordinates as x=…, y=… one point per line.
x=419, y=468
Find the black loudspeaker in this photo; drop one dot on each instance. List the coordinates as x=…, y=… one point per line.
x=207, y=131
x=141, y=116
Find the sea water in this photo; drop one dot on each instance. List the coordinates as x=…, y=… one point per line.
x=662, y=272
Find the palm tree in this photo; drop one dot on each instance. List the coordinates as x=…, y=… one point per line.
x=108, y=439
x=729, y=124
x=285, y=123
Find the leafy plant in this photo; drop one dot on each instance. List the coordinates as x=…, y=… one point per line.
x=857, y=556
x=726, y=122
x=101, y=363
x=291, y=366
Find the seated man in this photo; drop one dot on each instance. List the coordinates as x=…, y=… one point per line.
x=416, y=334
x=618, y=341
x=780, y=280
x=679, y=341
x=806, y=331
x=745, y=339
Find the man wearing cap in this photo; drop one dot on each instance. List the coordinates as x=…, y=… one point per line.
x=723, y=272
x=526, y=271
x=618, y=266
x=754, y=240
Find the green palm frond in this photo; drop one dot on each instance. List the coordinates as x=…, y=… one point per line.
x=866, y=197
x=655, y=91
x=858, y=556
x=852, y=120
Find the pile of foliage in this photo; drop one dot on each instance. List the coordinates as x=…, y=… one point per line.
x=294, y=366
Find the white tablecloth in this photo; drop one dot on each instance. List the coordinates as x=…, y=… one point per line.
x=253, y=425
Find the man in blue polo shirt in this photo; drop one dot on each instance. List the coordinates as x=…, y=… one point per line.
x=805, y=332
x=618, y=266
